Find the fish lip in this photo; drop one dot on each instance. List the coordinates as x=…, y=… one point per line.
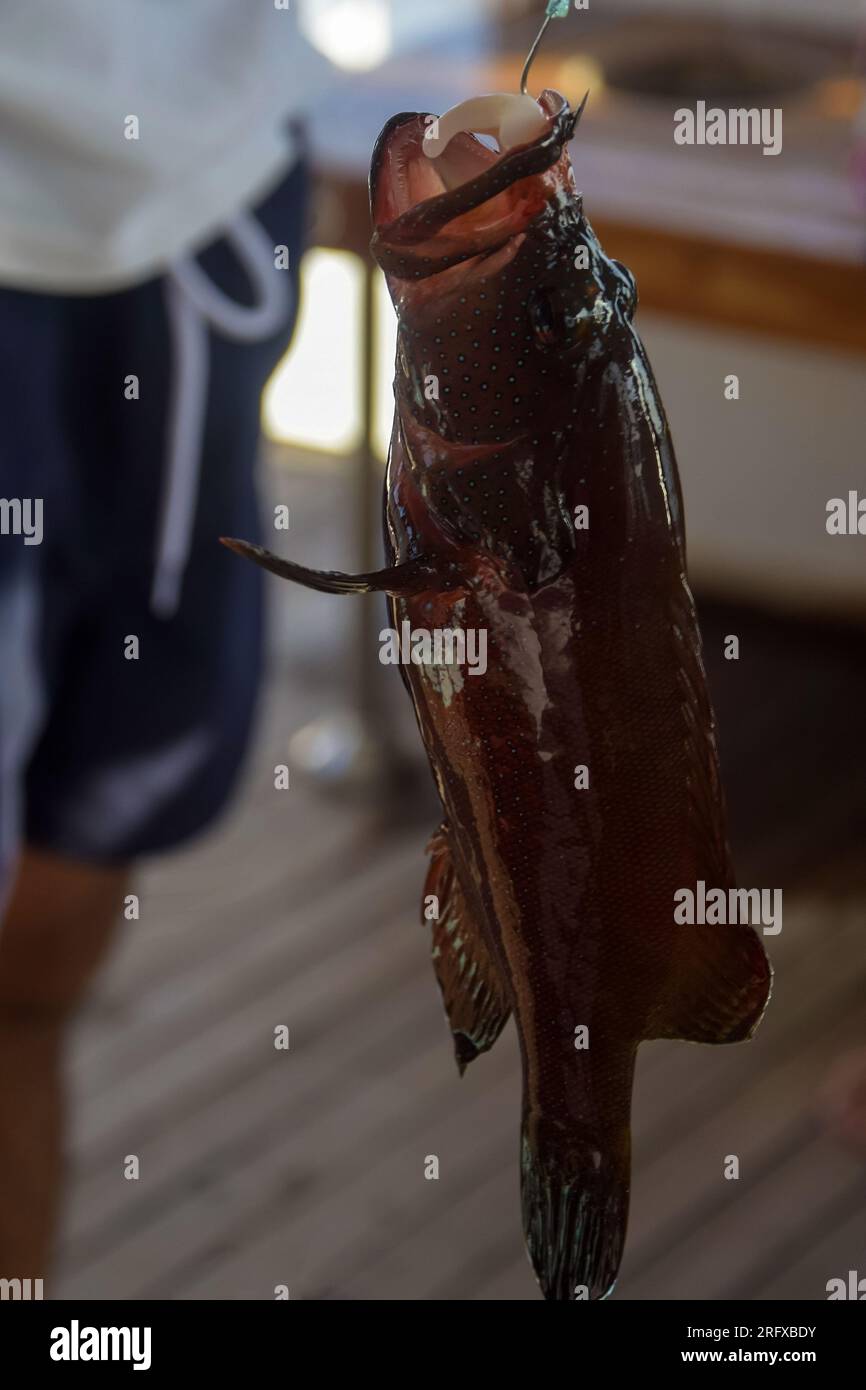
x=419, y=225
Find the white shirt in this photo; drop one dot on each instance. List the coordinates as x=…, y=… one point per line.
x=211, y=85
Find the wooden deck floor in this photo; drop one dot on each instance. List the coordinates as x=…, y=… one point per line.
x=306, y=1167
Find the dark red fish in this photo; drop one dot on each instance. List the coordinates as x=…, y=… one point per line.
x=532, y=496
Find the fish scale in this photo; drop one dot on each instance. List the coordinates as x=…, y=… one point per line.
x=555, y=899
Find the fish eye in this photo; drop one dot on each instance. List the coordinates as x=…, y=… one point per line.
x=544, y=316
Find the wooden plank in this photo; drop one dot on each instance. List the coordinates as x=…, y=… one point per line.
x=429, y=990
x=288, y=936
x=830, y=1249
x=513, y=1282
x=684, y=1184
x=716, y=1257
x=374, y=1200
x=231, y=1043
x=433, y=1264
x=246, y=1112
x=243, y=1197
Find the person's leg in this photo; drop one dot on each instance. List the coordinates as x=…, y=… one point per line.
x=59, y=922
x=32, y=462
x=101, y=759
x=132, y=757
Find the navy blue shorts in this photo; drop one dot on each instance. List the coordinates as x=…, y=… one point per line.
x=104, y=758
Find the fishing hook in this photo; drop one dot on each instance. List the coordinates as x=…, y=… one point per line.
x=530, y=59
x=556, y=9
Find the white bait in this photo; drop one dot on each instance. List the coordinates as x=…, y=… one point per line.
x=512, y=120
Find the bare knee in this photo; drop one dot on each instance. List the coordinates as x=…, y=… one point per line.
x=61, y=919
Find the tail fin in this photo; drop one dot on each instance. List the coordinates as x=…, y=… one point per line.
x=575, y=1213
x=575, y=1168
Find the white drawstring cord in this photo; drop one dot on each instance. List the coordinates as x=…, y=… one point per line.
x=193, y=304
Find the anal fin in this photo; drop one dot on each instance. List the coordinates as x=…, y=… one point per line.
x=468, y=977
x=720, y=986
x=721, y=979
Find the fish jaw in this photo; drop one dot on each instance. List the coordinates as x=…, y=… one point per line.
x=503, y=294
x=431, y=215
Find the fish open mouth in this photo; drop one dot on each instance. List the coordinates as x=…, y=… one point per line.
x=470, y=201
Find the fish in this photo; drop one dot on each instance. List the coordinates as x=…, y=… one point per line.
x=532, y=495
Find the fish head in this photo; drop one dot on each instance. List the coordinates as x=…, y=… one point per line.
x=498, y=282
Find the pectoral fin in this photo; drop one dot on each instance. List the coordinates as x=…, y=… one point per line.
x=413, y=577
x=468, y=977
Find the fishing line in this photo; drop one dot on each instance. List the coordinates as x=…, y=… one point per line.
x=556, y=9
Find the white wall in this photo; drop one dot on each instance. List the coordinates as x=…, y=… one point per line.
x=758, y=472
